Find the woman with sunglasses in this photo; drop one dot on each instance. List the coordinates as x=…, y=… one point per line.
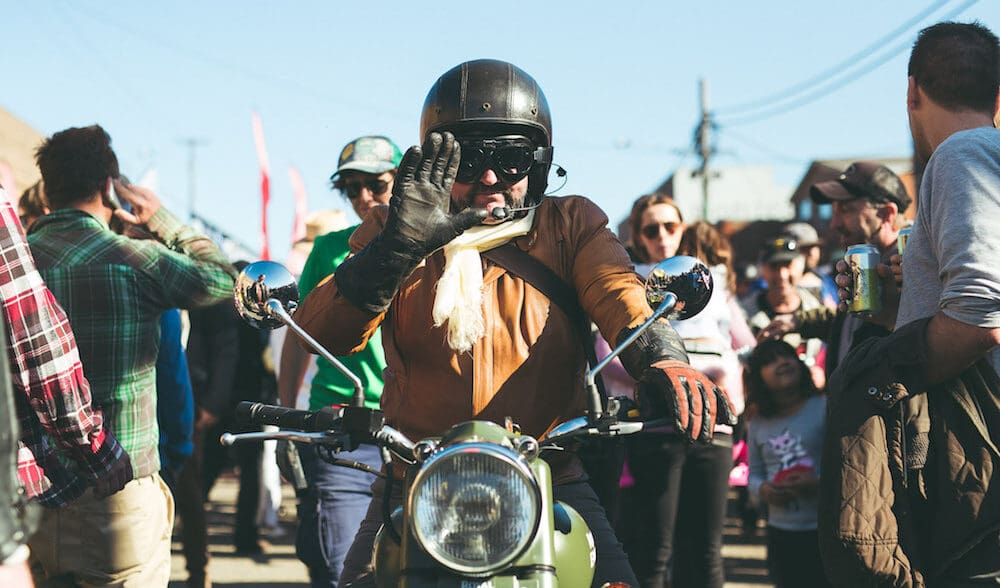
x=685, y=485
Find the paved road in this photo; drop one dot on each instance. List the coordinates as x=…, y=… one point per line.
x=278, y=567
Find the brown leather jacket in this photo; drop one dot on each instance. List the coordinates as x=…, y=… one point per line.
x=905, y=498
x=528, y=366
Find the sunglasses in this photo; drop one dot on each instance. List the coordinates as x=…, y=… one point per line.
x=353, y=189
x=511, y=159
x=653, y=231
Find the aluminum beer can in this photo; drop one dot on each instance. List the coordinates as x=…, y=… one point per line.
x=904, y=236
x=866, y=298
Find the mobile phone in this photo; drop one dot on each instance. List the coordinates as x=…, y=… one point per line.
x=113, y=200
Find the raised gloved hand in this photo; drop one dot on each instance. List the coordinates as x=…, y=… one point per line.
x=419, y=223
x=421, y=197
x=670, y=388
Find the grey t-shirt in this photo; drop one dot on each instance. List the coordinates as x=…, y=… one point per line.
x=784, y=443
x=952, y=260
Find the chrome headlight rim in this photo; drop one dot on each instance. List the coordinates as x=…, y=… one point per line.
x=509, y=457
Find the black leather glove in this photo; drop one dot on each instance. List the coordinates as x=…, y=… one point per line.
x=419, y=223
x=670, y=388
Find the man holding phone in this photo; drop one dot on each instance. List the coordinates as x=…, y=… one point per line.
x=114, y=289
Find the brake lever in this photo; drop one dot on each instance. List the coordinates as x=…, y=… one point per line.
x=320, y=438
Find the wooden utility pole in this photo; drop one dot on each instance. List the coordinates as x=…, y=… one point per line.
x=703, y=145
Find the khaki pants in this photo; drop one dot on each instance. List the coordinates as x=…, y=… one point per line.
x=121, y=541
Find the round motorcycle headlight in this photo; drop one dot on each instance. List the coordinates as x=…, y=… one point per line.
x=474, y=507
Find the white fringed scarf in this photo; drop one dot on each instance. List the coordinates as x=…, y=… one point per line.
x=459, y=295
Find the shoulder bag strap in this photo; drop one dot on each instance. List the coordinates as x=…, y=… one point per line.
x=539, y=275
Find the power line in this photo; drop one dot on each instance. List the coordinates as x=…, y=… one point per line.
x=829, y=76
x=836, y=69
x=770, y=151
x=286, y=84
x=105, y=67
x=824, y=88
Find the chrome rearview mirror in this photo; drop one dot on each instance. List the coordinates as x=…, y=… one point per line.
x=687, y=278
x=259, y=283
x=677, y=288
x=266, y=294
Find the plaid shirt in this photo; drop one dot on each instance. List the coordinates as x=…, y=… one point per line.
x=52, y=395
x=114, y=289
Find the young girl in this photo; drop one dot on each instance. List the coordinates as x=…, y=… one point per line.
x=785, y=438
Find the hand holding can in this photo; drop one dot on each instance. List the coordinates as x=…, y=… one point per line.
x=866, y=288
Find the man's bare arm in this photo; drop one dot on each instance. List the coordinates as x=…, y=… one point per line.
x=953, y=346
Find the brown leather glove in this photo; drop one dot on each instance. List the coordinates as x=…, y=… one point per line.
x=694, y=402
x=670, y=388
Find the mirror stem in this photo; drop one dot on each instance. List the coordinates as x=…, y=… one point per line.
x=274, y=307
x=594, y=398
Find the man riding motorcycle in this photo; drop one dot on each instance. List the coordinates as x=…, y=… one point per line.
x=466, y=338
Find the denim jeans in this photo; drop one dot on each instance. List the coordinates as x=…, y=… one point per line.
x=330, y=510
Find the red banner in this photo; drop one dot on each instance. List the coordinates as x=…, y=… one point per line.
x=265, y=182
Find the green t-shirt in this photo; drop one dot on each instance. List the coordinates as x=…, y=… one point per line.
x=329, y=386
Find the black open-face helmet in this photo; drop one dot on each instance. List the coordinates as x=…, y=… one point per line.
x=488, y=99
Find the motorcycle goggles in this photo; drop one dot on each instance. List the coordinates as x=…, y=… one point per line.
x=510, y=157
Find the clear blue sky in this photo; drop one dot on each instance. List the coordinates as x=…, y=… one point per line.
x=621, y=79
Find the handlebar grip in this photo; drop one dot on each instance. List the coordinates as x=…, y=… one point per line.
x=258, y=413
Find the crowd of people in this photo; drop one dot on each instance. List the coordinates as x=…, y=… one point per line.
x=867, y=441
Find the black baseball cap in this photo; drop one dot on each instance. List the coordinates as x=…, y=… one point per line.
x=781, y=249
x=863, y=179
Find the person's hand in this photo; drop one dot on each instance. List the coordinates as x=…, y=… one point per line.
x=891, y=292
x=696, y=404
x=799, y=483
x=419, y=212
x=775, y=495
x=144, y=203
x=287, y=458
x=206, y=419
x=845, y=284
x=780, y=325
x=896, y=267
x=886, y=317
x=419, y=223
x=120, y=474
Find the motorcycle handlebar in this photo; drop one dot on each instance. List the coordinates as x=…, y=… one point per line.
x=257, y=413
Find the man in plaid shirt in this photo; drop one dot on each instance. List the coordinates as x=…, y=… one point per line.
x=53, y=396
x=50, y=392
x=114, y=289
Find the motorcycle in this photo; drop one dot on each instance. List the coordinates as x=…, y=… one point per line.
x=478, y=509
